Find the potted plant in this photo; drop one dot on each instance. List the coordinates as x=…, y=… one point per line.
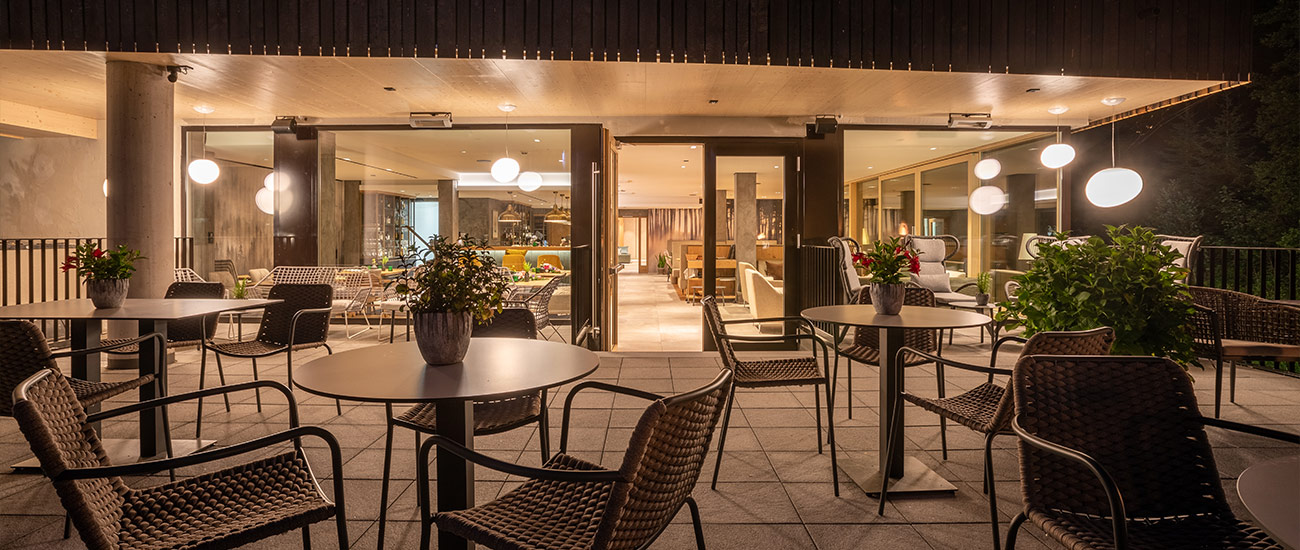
x=885, y=263
x=107, y=273
x=983, y=282
x=241, y=290
x=453, y=283
x=663, y=262
x=1130, y=284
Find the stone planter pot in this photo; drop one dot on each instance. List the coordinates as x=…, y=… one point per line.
x=107, y=293
x=443, y=337
x=887, y=299
x=982, y=299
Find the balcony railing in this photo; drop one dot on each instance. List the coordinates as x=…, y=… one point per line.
x=1265, y=272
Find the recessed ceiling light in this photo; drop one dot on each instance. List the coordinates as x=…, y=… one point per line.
x=1112, y=101
x=344, y=158
x=535, y=140
x=933, y=148
x=507, y=107
x=776, y=166
x=205, y=109
x=389, y=169
x=870, y=167
x=1058, y=110
x=694, y=146
x=683, y=166
x=462, y=151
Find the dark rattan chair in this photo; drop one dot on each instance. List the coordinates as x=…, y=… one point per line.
x=539, y=302
x=222, y=509
x=578, y=505
x=1114, y=454
x=300, y=322
x=490, y=417
x=798, y=371
x=865, y=347
x=184, y=333
x=987, y=407
x=1242, y=328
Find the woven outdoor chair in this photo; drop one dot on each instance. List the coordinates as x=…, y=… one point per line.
x=987, y=408
x=797, y=371
x=539, y=302
x=354, y=293
x=222, y=509
x=300, y=322
x=1114, y=454
x=578, y=505
x=490, y=417
x=1032, y=243
x=865, y=347
x=184, y=333
x=1243, y=327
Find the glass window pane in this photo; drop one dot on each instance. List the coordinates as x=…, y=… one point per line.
x=943, y=207
x=870, y=211
x=1031, y=204
x=898, y=206
x=231, y=217
x=751, y=265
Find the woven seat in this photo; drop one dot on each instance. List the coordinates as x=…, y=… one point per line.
x=987, y=408
x=182, y=333
x=870, y=355
x=222, y=509
x=1114, y=454
x=490, y=417
x=797, y=371
x=865, y=346
x=573, y=504
x=1231, y=326
x=300, y=321
x=94, y=393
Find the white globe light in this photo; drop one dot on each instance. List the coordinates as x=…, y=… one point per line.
x=988, y=169
x=204, y=171
x=1057, y=155
x=505, y=170
x=1113, y=187
x=530, y=181
x=105, y=187
x=269, y=182
x=265, y=200
x=988, y=199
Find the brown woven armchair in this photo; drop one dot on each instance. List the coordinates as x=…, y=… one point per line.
x=222, y=509
x=300, y=322
x=539, y=302
x=865, y=347
x=577, y=505
x=1232, y=326
x=797, y=371
x=987, y=408
x=184, y=333
x=1113, y=454
x=490, y=417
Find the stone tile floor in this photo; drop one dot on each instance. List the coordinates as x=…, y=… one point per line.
x=774, y=490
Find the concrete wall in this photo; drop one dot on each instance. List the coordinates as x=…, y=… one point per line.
x=52, y=187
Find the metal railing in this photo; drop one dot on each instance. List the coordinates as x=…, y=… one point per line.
x=820, y=274
x=29, y=272
x=1265, y=272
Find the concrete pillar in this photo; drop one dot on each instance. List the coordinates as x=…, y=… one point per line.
x=329, y=219
x=746, y=212
x=720, y=222
x=308, y=208
x=448, y=209
x=140, y=168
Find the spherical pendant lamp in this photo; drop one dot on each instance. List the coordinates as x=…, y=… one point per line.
x=269, y=181
x=105, y=187
x=988, y=199
x=203, y=171
x=505, y=170
x=265, y=200
x=988, y=169
x=530, y=181
x=1057, y=155
x=1113, y=186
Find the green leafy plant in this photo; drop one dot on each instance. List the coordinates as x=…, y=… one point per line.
x=452, y=277
x=1130, y=284
x=241, y=289
x=93, y=263
x=886, y=262
x=983, y=282
x=663, y=260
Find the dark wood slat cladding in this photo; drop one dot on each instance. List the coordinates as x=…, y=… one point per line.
x=1191, y=39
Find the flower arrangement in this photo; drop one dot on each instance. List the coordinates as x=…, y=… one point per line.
x=95, y=264
x=453, y=277
x=547, y=268
x=886, y=261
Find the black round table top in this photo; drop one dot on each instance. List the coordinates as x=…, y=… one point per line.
x=864, y=315
x=493, y=367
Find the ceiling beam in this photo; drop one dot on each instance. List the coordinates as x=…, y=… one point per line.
x=17, y=119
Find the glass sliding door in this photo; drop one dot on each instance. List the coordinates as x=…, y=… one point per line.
x=898, y=206
x=944, y=208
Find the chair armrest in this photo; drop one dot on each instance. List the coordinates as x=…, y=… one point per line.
x=949, y=362
x=1253, y=430
x=88, y=351
x=152, y=466
x=580, y=476
x=1118, y=517
x=967, y=285
x=218, y=390
x=568, y=403
x=293, y=325
x=993, y=358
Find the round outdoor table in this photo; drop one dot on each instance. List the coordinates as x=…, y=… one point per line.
x=908, y=475
x=493, y=368
x=1271, y=493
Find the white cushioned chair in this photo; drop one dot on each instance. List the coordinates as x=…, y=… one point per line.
x=933, y=252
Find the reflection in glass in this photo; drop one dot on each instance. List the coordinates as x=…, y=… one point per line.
x=943, y=207
x=231, y=218
x=898, y=206
x=751, y=265
x=1031, y=205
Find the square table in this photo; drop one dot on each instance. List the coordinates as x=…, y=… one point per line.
x=151, y=315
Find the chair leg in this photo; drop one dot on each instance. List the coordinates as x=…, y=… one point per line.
x=722, y=439
x=544, y=430
x=422, y=494
x=221, y=377
x=1232, y=381
x=1218, y=386
x=894, y=439
x=817, y=406
x=848, y=367
x=256, y=394
x=166, y=422
x=203, y=369
x=943, y=436
x=830, y=437
x=1011, y=531
x=992, y=488
x=67, y=526
x=306, y=538
x=695, y=520
x=388, y=460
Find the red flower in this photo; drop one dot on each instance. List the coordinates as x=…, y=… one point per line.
x=915, y=266
x=69, y=263
x=98, y=253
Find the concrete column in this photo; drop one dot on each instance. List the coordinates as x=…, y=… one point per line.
x=329, y=219
x=140, y=168
x=308, y=208
x=448, y=209
x=747, y=218
x=720, y=222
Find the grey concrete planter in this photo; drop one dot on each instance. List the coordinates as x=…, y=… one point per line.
x=443, y=337
x=107, y=293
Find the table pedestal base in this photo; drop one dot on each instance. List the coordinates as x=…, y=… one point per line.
x=127, y=451
x=864, y=470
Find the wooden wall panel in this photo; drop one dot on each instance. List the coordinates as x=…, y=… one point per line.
x=1192, y=39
